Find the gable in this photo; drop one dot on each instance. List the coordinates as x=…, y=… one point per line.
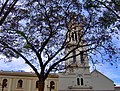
x=99, y=73
x=101, y=82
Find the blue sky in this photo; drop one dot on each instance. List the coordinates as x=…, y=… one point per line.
x=110, y=71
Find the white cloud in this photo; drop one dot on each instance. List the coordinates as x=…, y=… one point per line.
x=14, y=65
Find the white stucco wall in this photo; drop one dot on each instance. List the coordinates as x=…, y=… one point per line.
x=65, y=81
x=69, y=82
x=101, y=82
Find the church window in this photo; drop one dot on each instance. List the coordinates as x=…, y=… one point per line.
x=4, y=83
x=82, y=83
x=81, y=57
x=78, y=81
x=52, y=85
x=19, y=84
x=72, y=36
x=37, y=84
x=75, y=36
x=74, y=56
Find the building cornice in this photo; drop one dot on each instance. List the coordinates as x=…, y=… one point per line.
x=24, y=74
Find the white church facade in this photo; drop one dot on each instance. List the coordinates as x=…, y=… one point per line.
x=77, y=75
x=95, y=81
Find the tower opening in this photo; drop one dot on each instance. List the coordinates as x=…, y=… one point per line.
x=78, y=81
x=82, y=83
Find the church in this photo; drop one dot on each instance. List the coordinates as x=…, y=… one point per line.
x=76, y=77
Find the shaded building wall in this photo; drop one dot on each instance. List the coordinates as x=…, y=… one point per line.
x=101, y=83
x=24, y=82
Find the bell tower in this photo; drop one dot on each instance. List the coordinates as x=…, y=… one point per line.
x=79, y=59
x=77, y=74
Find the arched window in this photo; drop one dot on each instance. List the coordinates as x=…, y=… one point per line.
x=19, y=84
x=73, y=37
x=4, y=83
x=76, y=36
x=78, y=81
x=52, y=85
x=37, y=84
x=82, y=83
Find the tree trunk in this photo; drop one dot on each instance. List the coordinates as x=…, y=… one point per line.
x=41, y=86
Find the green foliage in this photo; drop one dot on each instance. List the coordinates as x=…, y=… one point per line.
x=21, y=33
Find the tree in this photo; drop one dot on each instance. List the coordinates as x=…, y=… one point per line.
x=6, y=8
x=105, y=14
x=38, y=32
